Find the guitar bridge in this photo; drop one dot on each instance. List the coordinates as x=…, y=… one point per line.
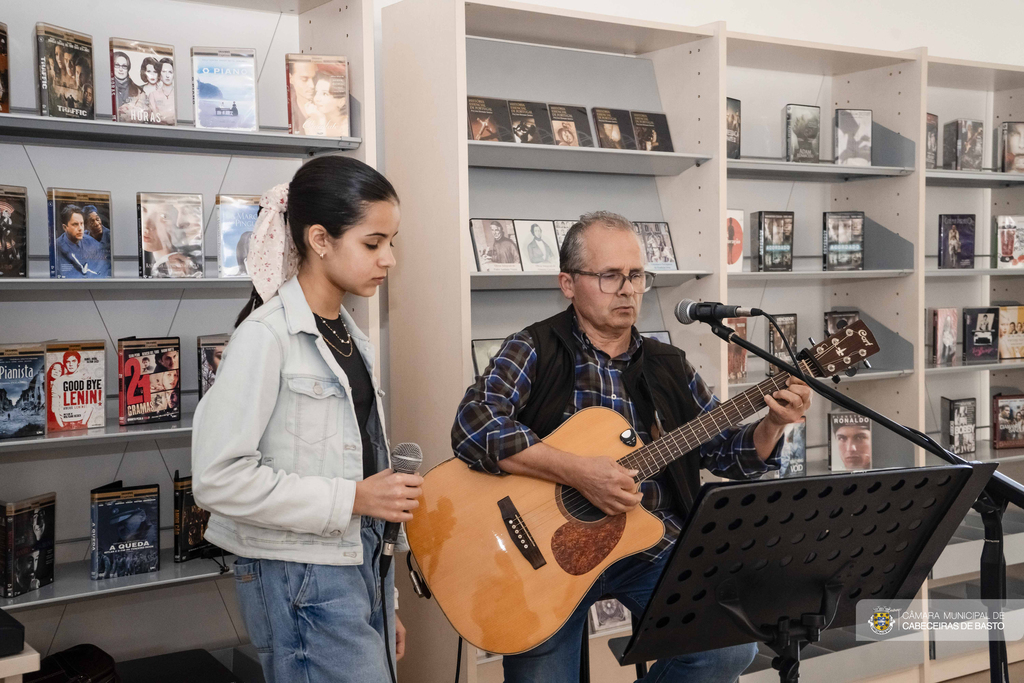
x=520, y=534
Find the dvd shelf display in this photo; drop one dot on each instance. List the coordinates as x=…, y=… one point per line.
x=224, y=88
x=117, y=157
x=13, y=231
x=65, y=77
x=318, y=95
x=142, y=82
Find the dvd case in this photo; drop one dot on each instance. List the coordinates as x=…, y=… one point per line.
x=931, y=148
x=483, y=351
x=734, y=241
x=981, y=326
x=210, y=348
x=853, y=137
x=774, y=240
x=190, y=522
x=776, y=347
x=650, y=131
x=148, y=372
x=530, y=123
x=614, y=128
x=956, y=240
x=733, y=128
x=944, y=335
x=489, y=120
x=22, y=391
x=75, y=385
x=843, y=235
x=570, y=126
x=495, y=245
x=538, y=246
x=657, y=239
x=224, y=88
x=142, y=82
x=849, y=441
x=803, y=133
x=236, y=220
x=27, y=547
x=125, y=530
x=837, y=320
x=65, y=77
x=170, y=235
x=318, y=95
x=5, y=74
x=79, y=233
x=561, y=229
x=963, y=142
x=13, y=231
x=793, y=454
x=1011, y=332
x=1008, y=242
x=1008, y=421
x=959, y=422
x=1010, y=147
x=737, y=358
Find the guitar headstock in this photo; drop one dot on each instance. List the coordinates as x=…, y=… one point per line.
x=845, y=348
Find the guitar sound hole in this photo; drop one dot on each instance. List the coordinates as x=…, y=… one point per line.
x=576, y=506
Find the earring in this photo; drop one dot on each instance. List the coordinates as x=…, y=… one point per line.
x=321, y=255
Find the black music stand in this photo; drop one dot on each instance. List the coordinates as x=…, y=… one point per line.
x=779, y=561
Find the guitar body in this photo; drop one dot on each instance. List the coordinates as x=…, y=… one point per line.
x=509, y=558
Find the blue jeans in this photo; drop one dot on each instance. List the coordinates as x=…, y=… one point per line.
x=631, y=581
x=315, y=622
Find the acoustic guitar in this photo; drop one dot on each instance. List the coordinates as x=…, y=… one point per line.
x=509, y=558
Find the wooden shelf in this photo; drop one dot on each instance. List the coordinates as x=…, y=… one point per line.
x=813, y=275
x=972, y=272
x=38, y=284
x=750, y=51
x=960, y=74
x=38, y=130
x=512, y=281
x=775, y=169
x=111, y=432
x=933, y=369
x=525, y=23
x=940, y=177
x=71, y=581
x=507, y=155
x=26, y=661
x=861, y=376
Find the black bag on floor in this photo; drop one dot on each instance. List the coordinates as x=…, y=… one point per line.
x=78, y=664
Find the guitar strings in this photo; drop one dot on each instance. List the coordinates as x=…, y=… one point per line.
x=575, y=503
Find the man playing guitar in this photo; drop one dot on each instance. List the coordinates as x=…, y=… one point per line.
x=592, y=355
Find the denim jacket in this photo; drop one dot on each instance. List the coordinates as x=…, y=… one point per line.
x=276, y=448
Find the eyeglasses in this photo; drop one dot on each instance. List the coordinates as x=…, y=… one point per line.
x=612, y=283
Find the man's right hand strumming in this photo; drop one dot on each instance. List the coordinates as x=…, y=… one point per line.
x=602, y=481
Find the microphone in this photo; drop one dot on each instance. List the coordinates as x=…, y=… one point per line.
x=689, y=311
x=405, y=459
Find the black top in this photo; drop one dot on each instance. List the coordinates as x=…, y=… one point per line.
x=335, y=334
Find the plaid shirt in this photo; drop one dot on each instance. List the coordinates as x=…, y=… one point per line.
x=486, y=430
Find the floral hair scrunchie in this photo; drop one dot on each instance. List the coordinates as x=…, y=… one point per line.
x=273, y=258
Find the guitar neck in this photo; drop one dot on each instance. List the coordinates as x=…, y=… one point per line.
x=652, y=458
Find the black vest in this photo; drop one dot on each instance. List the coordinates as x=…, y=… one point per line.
x=654, y=379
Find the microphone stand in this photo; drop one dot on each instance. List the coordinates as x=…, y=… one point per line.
x=991, y=504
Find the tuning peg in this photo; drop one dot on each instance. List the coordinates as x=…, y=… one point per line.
x=851, y=371
x=867, y=364
x=835, y=379
x=811, y=339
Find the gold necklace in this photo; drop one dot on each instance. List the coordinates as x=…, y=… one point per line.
x=338, y=337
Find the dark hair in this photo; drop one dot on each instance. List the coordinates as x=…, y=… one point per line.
x=146, y=62
x=68, y=211
x=332, y=191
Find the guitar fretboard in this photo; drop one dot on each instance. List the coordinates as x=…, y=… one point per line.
x=655, y=456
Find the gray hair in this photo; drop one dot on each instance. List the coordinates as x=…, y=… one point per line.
x=571, y=257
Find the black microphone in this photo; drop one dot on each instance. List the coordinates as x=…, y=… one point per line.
x=689, y=311
x=405, y=459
